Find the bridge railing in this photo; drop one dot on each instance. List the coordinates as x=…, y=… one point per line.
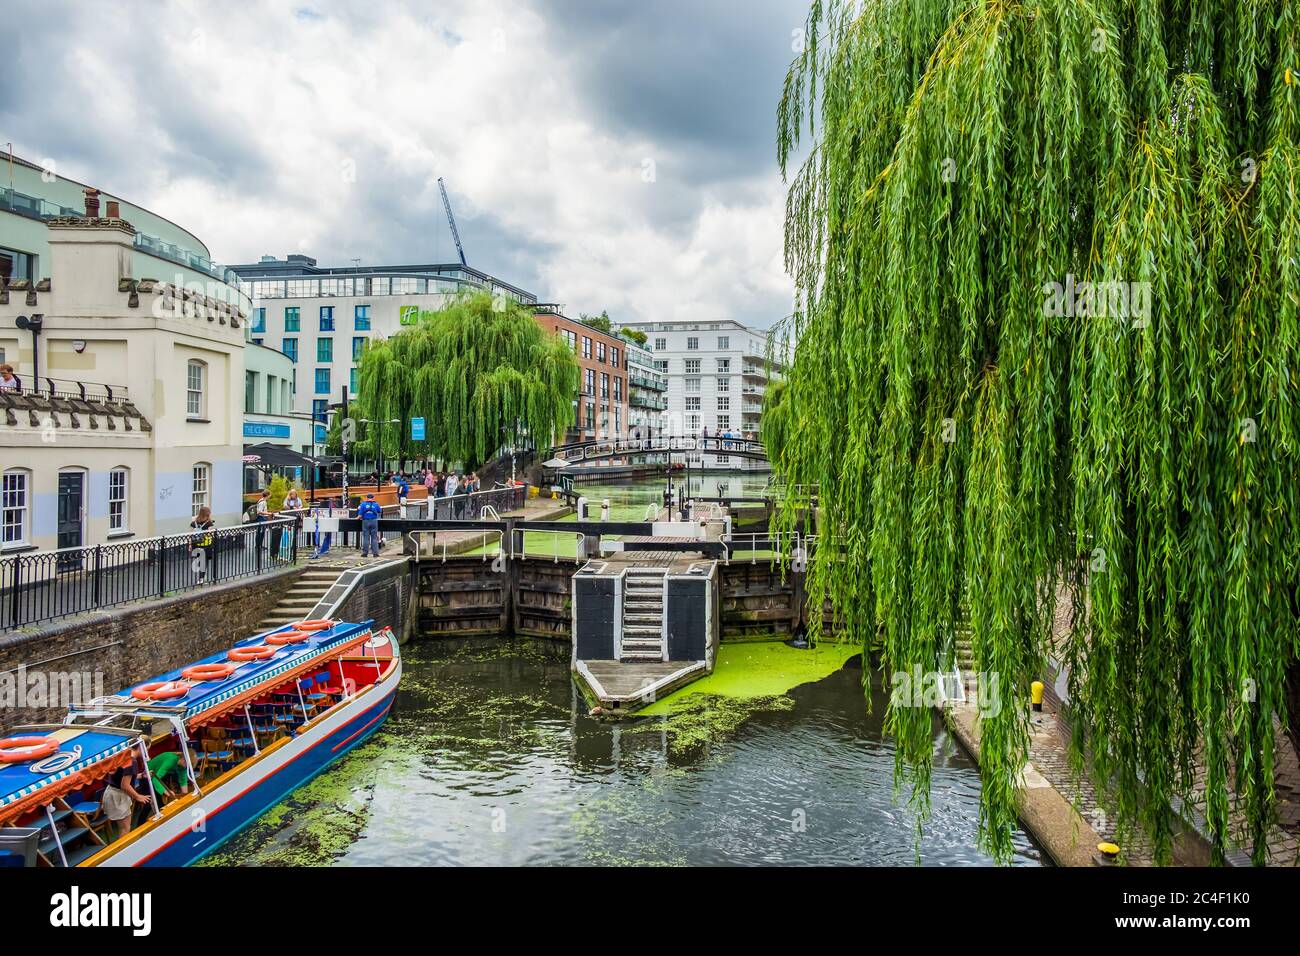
x=619, y=447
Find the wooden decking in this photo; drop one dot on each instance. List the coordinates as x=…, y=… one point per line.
x=629, y=686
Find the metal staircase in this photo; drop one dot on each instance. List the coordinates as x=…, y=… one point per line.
x=643, y=615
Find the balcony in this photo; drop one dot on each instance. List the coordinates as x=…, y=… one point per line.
x=751, y=409
x=647, y=401
x=657, y=385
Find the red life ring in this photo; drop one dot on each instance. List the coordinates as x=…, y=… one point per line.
x=22, y=749
x=314, y=625
x=256, y=653
x=208, y=672
x=161, y=690
x=288, y=637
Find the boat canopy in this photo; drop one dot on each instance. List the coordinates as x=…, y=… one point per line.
x=85, y=754
x=206, y=700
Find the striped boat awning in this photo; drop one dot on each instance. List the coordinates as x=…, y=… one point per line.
x=84, y=755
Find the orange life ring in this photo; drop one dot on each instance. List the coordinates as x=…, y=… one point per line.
x=208, y=672
x=288, y=637
x=256, y=653
x=161, y=690
x=314, y=625
x=22, y=749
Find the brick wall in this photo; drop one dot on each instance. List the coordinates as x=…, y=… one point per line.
x=124, y=646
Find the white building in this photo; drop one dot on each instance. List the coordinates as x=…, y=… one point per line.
x=647, y=407
x=321, y=318
x=717, y=375
x=128, y=415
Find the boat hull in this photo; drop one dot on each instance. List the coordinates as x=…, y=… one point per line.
x=193, y=831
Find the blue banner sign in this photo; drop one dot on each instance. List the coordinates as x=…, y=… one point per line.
x=266, y=430
x=417, y=429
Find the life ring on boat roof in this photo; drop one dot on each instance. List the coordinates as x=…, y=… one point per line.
x=203, y=672
x=161, y=690
x=314, y=625
x=258, y=652
x=22, y=749
x=288, y=637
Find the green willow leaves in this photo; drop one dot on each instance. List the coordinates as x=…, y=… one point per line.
x=992, y=444
x=482, y=374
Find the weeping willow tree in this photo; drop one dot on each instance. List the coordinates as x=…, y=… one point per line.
x=1047, y=337
x=483, y=375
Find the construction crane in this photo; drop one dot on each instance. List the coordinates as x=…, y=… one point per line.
x=451, y=221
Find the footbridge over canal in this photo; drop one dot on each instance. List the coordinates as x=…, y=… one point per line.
x=600, y=449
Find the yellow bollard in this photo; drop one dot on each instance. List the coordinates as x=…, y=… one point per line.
x=1036, y=694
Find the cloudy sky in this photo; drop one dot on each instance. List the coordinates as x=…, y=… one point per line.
x=605, y=155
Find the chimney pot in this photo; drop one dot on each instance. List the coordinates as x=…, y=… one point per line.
x=114, y=210
x=92, y=202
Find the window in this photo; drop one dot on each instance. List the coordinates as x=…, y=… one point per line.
x=571, y=338
x=352, y=381
x=324, y=350
x=724, y=403
x=290, y=348
x=259, y=321
x=322, y=381
x=691, y=384
x=724, y=385
x=724, y=342
x=724, y=422
x=361, y=318
x=613, y=357
x=661, y=344
x=661, y=365
x=692, y=366
x=292, y=319
x=199, y=487
x=258, y=341
x=250, y=391
x=604, y=385
x=14, y=511
x=724, y=365
x=327, y=318
x=320, y=409
x=117, y=485
x=591, y=414
x=693, y=403
x=600, y=351
x=692, y=423
x=195, y=398
x=358, y=343
x=586, y=347
x=271, y=392
x=692, y=344
x=589, y=381
x=618, y=389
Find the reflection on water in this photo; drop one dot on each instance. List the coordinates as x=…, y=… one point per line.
x=491, y=759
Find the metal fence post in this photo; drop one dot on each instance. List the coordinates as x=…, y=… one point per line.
x=162, y=565
x=17, y=605
x=99, y=561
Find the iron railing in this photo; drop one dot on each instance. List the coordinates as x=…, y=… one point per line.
x=47, y=585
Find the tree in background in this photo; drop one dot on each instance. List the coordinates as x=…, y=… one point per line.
x=636, y=335
x=1046, y=255
x=482, y=376
x=601, y=322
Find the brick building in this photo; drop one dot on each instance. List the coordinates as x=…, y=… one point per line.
x=601, y=406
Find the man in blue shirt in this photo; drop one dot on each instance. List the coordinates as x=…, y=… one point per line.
x=369, y=512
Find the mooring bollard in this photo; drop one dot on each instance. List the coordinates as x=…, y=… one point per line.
x=1036, y=695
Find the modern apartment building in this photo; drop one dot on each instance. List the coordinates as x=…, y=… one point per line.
x=717, y=374
x=600, y=409
x=647, y=388
x=322, y=317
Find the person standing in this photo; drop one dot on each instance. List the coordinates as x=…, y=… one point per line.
x=324, y=538
x=452, y=483
x=121, y=798
x=203, y=546
x=369, y=512
x=261, y=514
x=7, y=378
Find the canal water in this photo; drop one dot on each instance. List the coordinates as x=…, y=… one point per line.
x=490, y=758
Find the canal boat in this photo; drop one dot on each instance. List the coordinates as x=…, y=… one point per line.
x=214, y=744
